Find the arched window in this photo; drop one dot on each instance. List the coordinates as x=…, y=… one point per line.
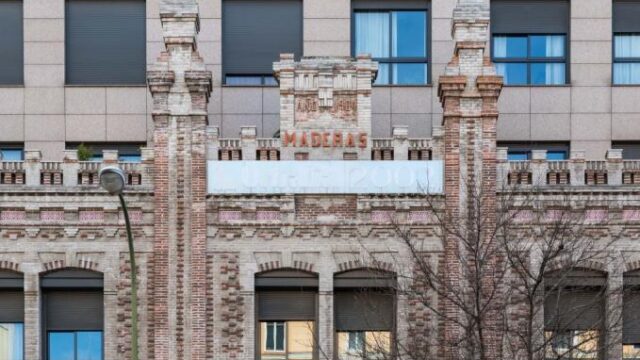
x=364, y=308
x=574, y=313
x=72, y=314
x=631, y=316
x=286, y=307
x=11, y=315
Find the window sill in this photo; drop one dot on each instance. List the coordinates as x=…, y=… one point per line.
x=251, y=86
x=538, y=86
x=19, y=86
x=104, y=85
x=626, y=85
x=403, y=86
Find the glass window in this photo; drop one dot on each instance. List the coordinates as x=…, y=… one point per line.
x=518, y=155
x=530, y=59
x=284, y=340
x=11, y=341
x=249, y=80
x=626, y=58
x=353, y=345
x=398, y=41
x=631, y=351
x=75, y=345
x=573, y=344
x=11, y=154
x=135, y=158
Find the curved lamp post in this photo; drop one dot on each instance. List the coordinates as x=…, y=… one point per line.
x=112, y=179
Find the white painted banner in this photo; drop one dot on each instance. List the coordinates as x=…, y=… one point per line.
x=325, y=177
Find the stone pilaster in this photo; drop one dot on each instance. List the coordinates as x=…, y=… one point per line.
x=180, y=87
x=469, y=92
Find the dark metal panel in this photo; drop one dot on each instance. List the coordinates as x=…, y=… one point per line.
x=11, y=43
x=364, y=310
x=574, y=309
x=286, y=305
x=630, y=150
x=625, y=16
x=286, y=278
x=631, y=317
x=74, y=310
x=11, y=306
x=72, y=279
x=389, y=5
x=364, y=278
x=105, y=42
x=530, y=17
x=255, y=32
x=11, y=280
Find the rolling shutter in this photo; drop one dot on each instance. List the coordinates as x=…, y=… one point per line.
x=256, y=32
x=529, y=16
x=11, y=57
x=364, y=310
x=105, y=42
x=73, y=310
x=573, y=309
x=631, y=317
x=286, y=305
x=11, y=306
x=625, y=16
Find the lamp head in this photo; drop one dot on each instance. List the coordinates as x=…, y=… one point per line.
x=112, y=179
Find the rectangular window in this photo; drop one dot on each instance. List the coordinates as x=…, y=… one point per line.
x=254, y=34
x=105, y=42
x=12, y=341
x=573, y=344
x=11, y=28
x=354, y=345
x=75, y=345
x=626, y=59
x=397, y=39
x=630, y=149
x=530, y=59
x=523, y=151
x=626, y=42
x=287, y=340
x=11, y=152
x=529, y=41
x=127, y=152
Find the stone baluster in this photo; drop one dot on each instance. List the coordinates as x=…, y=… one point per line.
x=146, y=167
x=213, y=142
x=502, y=168
x=32, y=167
x=400, y=143
x=614, y=166
x=70, y=168
x=109, y=158
x=539, y=167
x=578, y=166
x=248, y=142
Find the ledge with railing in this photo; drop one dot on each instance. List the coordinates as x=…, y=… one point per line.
x=33, y=171
x=576, y=171
x=250, y=147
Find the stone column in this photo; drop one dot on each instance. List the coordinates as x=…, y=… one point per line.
x=32, y=316
x=469, y=93
x=180, y=86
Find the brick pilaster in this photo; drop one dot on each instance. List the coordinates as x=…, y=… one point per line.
x=469, y=92
x=180, y=87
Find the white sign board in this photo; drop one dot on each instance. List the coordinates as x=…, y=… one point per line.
x=325, y=177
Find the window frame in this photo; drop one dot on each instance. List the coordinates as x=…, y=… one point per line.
x=618, y=60
x=389, y=8
x=75, y=341
x=224, y=70
x=14, y=147
x=528, y=147
x=528, y=60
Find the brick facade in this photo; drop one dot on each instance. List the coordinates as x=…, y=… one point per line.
x=198, y=253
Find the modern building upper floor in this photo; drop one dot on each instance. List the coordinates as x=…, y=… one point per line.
x=73, y=71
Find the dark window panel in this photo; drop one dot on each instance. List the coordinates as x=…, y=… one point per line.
x=105, y=42
x=255, y=33
x=529, y=16
x=625, y=16
x=11, y=43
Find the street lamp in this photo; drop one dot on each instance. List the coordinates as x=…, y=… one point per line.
x=112, y=179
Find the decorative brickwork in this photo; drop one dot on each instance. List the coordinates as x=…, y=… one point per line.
x=469, y=92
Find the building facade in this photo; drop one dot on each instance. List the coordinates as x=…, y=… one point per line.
x=245, y=250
